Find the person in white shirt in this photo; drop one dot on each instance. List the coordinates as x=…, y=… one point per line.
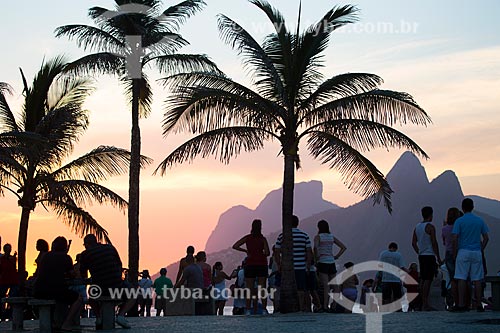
x=391, y=284
x=425, y=244
x=145, y=300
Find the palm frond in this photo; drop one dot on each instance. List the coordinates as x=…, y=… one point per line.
x=341, y=86
x=69, y=90
x=381, y=106
x=140, y=6
x=11, y=165
x=101, y=63
x=62, y=127
x=92, y=38
x=101, y=17
x=255, y=59
x=273, y=15
x=25, y=82
x=84, y=193
x=97, y=165
x=225, y=143
x=7, y=120
x=357, y=172
x=163, y=42
x=5, y=88
x=181, y=63
x=365, y=135
x=279, y=47
x=18, y=142
x=174, y=16
x=309, y=48
x=35, y=105
x=145, y=93
x=79, y=220
x=210, y=101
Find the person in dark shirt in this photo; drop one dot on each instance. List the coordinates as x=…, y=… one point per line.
x=53, y=269
x=9, y=278
x=192, y=276
x=43, y=248
x=103, y=263
x=105, y=267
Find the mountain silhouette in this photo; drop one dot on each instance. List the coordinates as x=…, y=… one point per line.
x=486, y=205
x=236, y=221
x=367, y=229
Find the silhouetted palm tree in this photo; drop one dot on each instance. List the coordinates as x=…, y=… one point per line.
x=340, y=117
x=134, y=36
x=34, y=146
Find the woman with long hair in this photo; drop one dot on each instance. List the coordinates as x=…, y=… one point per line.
x=51, y=281
x=257, y=250
x=42, y=247
x=325, y=259
x=449, y=259
x=206, y=269
x=219, y=278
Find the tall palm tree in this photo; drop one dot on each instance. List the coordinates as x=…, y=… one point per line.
x=340, y=117
x=34, y=146
x=136, y=35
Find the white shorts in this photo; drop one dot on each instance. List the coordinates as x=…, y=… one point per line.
x=469, y=264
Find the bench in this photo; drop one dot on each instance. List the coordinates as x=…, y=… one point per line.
x=190, y=307
x=180, y=307
x=205, y=306
x=17, y=304
x=44, y=313
x=108, y=311
x=495, y=291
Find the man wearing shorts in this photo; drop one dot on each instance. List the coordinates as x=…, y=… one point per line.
x=302, y=258
x=391, y=284
x=425, y=245
x=470, y=236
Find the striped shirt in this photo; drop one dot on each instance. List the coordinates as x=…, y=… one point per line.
x=104, y=265
x=324, y=248
x=301, y=243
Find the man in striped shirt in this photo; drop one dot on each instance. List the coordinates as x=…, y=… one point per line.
x=105, y=267
x=302, y=257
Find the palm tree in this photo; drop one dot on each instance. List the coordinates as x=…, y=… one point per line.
x=34, y=146
x=340, y=117
x=137, y=35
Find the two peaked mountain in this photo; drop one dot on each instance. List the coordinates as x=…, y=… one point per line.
x=366, y=229
x=236, y=221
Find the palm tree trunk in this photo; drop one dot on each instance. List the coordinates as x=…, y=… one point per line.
x=21, y=244
x=289, y=299
x=133, y=203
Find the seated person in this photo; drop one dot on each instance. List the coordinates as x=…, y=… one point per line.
x=105, y=267
x=54, y=267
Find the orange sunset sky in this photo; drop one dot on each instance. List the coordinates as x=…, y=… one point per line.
x=449, y=62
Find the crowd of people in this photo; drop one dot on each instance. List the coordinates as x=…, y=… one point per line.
x=464, y=236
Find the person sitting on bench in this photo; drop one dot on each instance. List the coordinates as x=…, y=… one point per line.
x=50, y=283
x=105, y=267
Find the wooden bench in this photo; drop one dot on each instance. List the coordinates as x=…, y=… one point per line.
x=44, y=313
x=495, y=291
x=17, y=304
